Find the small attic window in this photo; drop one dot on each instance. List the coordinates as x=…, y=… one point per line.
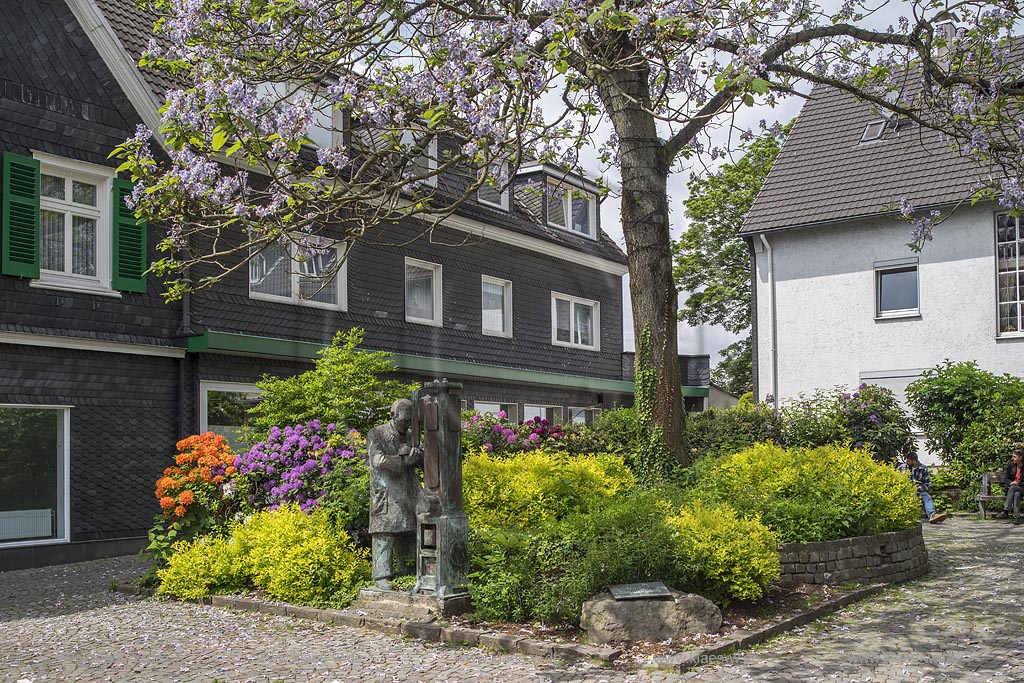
x=874, y=130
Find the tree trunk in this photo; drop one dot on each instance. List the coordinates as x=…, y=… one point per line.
x=645, y=224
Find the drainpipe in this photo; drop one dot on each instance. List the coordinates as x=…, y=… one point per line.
x=773, y=351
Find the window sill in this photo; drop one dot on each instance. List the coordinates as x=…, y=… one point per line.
x=421, y=321
x=74, y=287
x=562, y=228
x=898, y=315
x=296, y=302
x=567, y=345
x=500, y=335
x=1009, y=336
x=38, y=541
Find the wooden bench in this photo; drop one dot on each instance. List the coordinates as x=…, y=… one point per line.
x=987, y=479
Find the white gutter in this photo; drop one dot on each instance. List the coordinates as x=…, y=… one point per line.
x=773, y=350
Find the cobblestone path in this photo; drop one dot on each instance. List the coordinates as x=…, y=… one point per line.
x=964, y=622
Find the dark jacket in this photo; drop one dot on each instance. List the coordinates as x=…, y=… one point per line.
x=1011, y=474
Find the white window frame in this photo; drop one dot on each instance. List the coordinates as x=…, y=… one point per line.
x=567, y=191
x=1019, y=271
x=437, y=290
x=228, y=387
x=874, y=130
x=575, y=413
x=504, y=201
x=103, y=178
x=506, y=313
x=409, y=138
x=511, y=409
x=340, y=280
x=573, y=302
x=553, y=414
x=882, y=267
x=290, y=93
x=63, y=483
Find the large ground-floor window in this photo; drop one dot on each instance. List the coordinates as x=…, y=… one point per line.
x=223, y=407
x=34, y=461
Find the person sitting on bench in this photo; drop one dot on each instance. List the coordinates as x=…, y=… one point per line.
x=1013, y=486
x=919, y=475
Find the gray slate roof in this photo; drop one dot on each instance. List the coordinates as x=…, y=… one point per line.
x=825, y=173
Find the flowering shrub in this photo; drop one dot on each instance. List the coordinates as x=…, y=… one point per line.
x=292, y=464
x=194, y=493
x=497, y=434
x=868, y=417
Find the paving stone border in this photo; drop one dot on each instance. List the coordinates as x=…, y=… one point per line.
x=891, y=557
x=741, y=639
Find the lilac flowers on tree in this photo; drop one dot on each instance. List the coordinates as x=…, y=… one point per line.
x=394, y=93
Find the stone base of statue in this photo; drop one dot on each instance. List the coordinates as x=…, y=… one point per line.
x=385, y=604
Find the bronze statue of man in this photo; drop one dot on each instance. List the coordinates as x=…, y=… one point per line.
x=394, y=491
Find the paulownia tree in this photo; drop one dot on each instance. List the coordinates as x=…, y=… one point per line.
x=392, y=82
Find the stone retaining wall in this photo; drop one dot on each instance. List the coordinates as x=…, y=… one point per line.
x=886, y=558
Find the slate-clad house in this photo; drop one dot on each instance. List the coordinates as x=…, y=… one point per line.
x=839, y=296
x=99, y=377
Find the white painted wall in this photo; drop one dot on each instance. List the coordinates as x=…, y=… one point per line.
x=824, y=300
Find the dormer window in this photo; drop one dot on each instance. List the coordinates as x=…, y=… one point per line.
x=491, y=191
x=572, y=209
x=424, y=164
x=325, y=127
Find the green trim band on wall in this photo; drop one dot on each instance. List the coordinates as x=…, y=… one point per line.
x=269, y=346
x=696, y=391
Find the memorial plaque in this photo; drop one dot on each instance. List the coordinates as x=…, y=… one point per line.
x=641, y=591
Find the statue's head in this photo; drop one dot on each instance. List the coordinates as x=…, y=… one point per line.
x=401, y=414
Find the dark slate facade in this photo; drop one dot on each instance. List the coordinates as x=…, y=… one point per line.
x=129, y=373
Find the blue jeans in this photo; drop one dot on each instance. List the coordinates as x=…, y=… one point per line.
x=929, y=504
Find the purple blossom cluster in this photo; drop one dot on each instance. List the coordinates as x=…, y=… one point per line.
x=291, y=464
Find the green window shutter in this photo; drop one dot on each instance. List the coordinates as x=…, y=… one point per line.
x=20, y=220
x=129, y=243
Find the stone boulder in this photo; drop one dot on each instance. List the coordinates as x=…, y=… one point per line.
x=606, y=619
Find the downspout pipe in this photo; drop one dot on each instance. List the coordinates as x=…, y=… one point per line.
x=773, y=351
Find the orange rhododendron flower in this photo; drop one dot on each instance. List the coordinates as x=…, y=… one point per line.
x=231, y=469
x=166, y=502
x=180, y=511
x=187, y=498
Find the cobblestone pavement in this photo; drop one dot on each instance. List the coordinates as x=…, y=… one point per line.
x=961, y=623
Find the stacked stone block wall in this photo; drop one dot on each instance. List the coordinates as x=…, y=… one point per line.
x=885, y=558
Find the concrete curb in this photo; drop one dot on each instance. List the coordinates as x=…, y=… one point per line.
x=426, y=631
x=507, y=642
x=742, y=639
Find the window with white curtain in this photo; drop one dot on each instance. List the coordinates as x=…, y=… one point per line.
x=422, y=292
x=496, y=306
x=279, y=272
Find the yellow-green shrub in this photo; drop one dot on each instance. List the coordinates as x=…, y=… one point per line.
x=293, y=556
x=195, y=569
x=530, y=488
x=299, y=557
x=723, y=557
x=811, y=494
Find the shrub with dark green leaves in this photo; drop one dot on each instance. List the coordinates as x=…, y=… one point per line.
x=723, y=431
x=811, y=494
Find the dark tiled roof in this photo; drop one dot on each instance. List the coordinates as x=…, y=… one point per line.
x=133, y=26
x=825, y=173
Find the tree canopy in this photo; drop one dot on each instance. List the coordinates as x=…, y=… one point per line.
x=508, y=81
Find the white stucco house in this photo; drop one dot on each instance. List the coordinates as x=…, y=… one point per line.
x=839, y=297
